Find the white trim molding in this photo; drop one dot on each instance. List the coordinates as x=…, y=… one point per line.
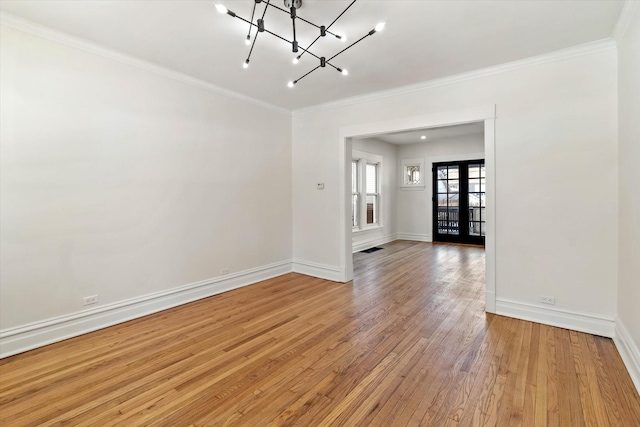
x=628, y=352
x=624, y=20
x=490, y=301
x=12, y=21
x=556, y=316
x=313, y=269
x=367, y=244
x=415, y=237
x=27, y=337
x=559, y=55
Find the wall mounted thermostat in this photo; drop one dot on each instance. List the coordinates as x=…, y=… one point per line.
x=320, y=186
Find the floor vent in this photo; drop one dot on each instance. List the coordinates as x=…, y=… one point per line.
x=368, y=251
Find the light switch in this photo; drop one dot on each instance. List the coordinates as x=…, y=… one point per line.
x=320, y=186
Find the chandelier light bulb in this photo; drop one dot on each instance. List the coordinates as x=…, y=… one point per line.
x=220, y=8
x=296, y=60
x=380, y=26
x=345, y=72
x=245, y=64
x=247, y=41
x=423, y=137
x=343, y=38
x=290, y=84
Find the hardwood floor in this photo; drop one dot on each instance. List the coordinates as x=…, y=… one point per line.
x=406, y=344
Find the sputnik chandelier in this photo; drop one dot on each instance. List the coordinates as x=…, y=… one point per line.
x=293, y=6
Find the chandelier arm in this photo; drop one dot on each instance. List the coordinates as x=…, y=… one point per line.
x=306, y=50
x=255, y=39
x=327, y=28
x=264, y=12
x=265, y=30
x=353, y=44
x=302, y=19
x=334, y=21
x=297, y=80
x=294, y=45
x=276, y=35
x=253, y=12
x=337, y=68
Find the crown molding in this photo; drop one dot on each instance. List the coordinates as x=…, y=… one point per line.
x=20, y=24
x=624, y=20
x=559, y=55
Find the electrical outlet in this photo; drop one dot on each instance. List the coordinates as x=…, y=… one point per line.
x=224, y=271
x=548, y=300
x=93, y=299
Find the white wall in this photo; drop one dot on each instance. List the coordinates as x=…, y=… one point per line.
x=120, y=182
x=556, y=175
x=365, y=239
x=414, y=205
x=629, y=192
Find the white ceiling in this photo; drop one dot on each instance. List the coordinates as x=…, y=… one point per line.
x=422, y=40
x=432, y=134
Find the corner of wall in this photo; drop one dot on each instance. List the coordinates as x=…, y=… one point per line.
x=629, y=352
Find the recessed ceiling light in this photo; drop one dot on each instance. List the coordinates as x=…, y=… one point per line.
x=423, y=137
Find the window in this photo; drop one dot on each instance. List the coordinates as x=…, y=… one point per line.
x=372, y=193
x=355, y=195
x=412, y=174
x=365, y=190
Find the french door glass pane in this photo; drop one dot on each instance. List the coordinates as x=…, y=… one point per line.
x=454, y=173
x=474, y=228
x=442, y=186
x=442, y=172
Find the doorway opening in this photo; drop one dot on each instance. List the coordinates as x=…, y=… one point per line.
x=484, y=114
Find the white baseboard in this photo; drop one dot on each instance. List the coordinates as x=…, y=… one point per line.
x=628, y=351
x=489, y=301
x=327, y=272
x=414, y=237
x=560, y=317
x=27, y=337
x=367, y=244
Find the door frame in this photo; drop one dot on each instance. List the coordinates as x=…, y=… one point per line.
x=486, y=114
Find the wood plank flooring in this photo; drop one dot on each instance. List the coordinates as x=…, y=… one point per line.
x=406, y=344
